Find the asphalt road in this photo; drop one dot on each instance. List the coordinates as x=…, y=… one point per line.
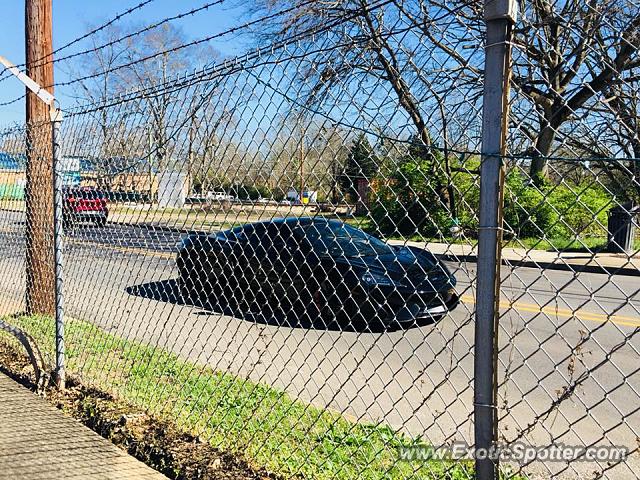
x=122, y=278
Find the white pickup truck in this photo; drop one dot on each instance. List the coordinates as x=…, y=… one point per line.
x=219, y=197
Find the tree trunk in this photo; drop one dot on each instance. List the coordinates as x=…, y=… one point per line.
x=39, y=268
x=539, y=169
x=635, y=169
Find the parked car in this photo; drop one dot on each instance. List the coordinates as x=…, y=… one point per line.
x=317, y=265
x=220, y=197
x=84, y=204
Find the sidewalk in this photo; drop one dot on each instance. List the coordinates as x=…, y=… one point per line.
x=610, y=263
x=39, y=442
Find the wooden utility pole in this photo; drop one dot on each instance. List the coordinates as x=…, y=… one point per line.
x=40, y=290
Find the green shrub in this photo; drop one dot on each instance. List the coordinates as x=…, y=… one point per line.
x=410, y=197
x=566, y=210
x=526, y=213
x=582, y=210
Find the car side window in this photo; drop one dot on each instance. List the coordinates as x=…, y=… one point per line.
x=258, y=237
x=277, y=235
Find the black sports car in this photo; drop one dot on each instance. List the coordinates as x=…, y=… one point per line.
x=319, y=266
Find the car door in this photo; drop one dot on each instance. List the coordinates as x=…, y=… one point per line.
x=256, y=271
x=287, y=262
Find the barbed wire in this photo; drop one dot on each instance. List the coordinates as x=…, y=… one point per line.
x=199, y=42
x=183, y=46
x=239, y=62
x=80, y=38
x=137, y=32
x=149, y=57
x=15, y=100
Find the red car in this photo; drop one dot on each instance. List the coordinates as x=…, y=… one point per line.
x=84, y=204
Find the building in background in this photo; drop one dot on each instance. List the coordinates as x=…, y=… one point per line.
x=12, y=176
x=129, y=180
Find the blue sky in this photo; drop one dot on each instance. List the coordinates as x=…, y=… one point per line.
x=73, y=18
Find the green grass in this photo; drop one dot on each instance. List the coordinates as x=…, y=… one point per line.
x=267, y=426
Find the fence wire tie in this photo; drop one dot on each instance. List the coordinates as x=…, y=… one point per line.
x=485, y=405
x=492, y=228
x=497, y=44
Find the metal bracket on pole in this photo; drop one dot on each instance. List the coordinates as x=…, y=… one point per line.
x=36, y=358
x=40, y=92
x=56, y=120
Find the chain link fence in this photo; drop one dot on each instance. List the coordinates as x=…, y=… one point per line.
x=279, y=252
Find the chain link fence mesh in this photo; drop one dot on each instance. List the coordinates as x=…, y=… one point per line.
x=278, y=252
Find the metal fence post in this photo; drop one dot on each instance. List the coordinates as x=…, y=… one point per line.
x=56, y=120
x=499, y=17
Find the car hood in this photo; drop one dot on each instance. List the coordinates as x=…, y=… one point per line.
x=409, y=266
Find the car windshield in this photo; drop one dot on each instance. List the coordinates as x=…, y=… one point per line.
x=341, y=240
x=87, y=194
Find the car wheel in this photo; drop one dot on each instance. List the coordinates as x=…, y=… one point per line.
x=339, y=310
x=369, y=317
x=325, y=306
x=353, y=312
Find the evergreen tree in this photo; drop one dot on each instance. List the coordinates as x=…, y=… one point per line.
x=362, y=162
x=412, y=197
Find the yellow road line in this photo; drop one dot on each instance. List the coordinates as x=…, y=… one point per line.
x=564, y=313
x=119, y=248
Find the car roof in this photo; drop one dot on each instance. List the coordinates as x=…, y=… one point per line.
x=302, y=221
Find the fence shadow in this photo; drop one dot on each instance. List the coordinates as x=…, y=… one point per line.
x=169, y=291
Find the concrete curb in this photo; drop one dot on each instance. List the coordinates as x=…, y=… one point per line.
x=560, y=265
x=563, y=266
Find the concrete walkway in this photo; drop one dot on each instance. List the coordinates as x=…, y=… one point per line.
x=38, y=442
x=612, y=263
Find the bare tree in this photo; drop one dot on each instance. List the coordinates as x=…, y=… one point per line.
x=567, y=55
x=102, y=85
x=146, y=64
x=381, y=58
x=157, y=57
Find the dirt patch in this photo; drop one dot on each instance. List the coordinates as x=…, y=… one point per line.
x=156, y=442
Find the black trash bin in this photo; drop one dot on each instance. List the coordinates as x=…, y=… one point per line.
x=622, y=228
